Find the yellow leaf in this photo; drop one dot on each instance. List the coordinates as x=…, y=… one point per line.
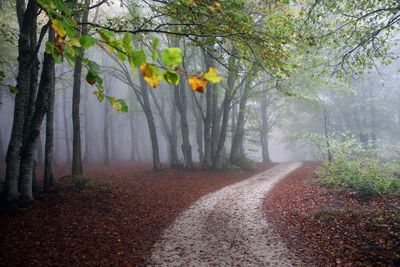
x=212, y=76
x=197, y=84
x=116, y=105
x=58, y=28
x=73, y=42
x=151, y=75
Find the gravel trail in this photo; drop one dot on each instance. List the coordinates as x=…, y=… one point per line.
x=227, y=228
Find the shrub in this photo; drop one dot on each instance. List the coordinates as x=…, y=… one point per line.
x=359, y=169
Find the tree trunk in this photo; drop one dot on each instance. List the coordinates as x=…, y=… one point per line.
x=218, y=158
x=106, y=133
x=133, y=133
x=77, y=168
x=86, y=157
x=150, y=122
x=2, y=155
x=199, y=126
x=25, y=56
x=66, y=128
x=264, y=130
x=46, y=90
x=49, y=146
x=181, y=105
x=173, y=150
x=172, y=144
x=209, y=62
x=237, y=150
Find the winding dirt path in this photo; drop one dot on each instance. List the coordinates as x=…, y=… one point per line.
x=227, y=228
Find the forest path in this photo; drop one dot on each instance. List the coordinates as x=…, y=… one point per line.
x=227, y=228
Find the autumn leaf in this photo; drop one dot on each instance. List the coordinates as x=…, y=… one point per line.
x=212, y=76
x=198, y=84
x=151, y=74
x=73, y=42
x=58, y=28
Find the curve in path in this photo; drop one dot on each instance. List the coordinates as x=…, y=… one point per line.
x=227, y=228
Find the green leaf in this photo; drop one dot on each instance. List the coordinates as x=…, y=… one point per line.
x=154, y=53
x=87, y=41
x=100, y=95
x=117, y=104
x=107, y=36
x=127, y=40
x=171, y=77
x=121, y=55
x=69, y=55
x=137, y=58
x=172, y=57
x=93, y=67
x=90, y=78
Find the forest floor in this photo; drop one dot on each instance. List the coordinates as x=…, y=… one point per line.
x=113, y=219
x=328, y=227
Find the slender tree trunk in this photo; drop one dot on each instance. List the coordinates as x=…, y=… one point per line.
x=237, y=150
x=173, y=150
x=86, y=157
x=25, y=56
x=225, y=112
x=2, y=155
x=181, y=105
x=49, y=146
x=172, y=144
x=150, y=122
x=133, y=133
x=46, y=89
x=264, y=130
x=106, y=134
x=77, y=168
x=209, y=62
x=66, y=128
x=199, y=126
x=216, y=127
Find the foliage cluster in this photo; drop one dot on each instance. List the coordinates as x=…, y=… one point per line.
x=359, y=168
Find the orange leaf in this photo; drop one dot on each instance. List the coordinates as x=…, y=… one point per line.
x=197, y=83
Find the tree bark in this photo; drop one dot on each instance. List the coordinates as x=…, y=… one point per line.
x=218, y=159
x=199, y=125
x=77, y=168
x=150, y=122
x=66, y=128
x=173, y=153
x=209, y=62
x=106, y=134
x=2, y=155
x=264, y=130
x=49, y=146
x=86, y=157
x=237, y=150
x=181, y=105
x=25, y=55
x=133, y=133
x=46, y=89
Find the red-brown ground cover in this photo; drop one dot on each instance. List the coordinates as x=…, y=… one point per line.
x=327, y=227
x=113, y=223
